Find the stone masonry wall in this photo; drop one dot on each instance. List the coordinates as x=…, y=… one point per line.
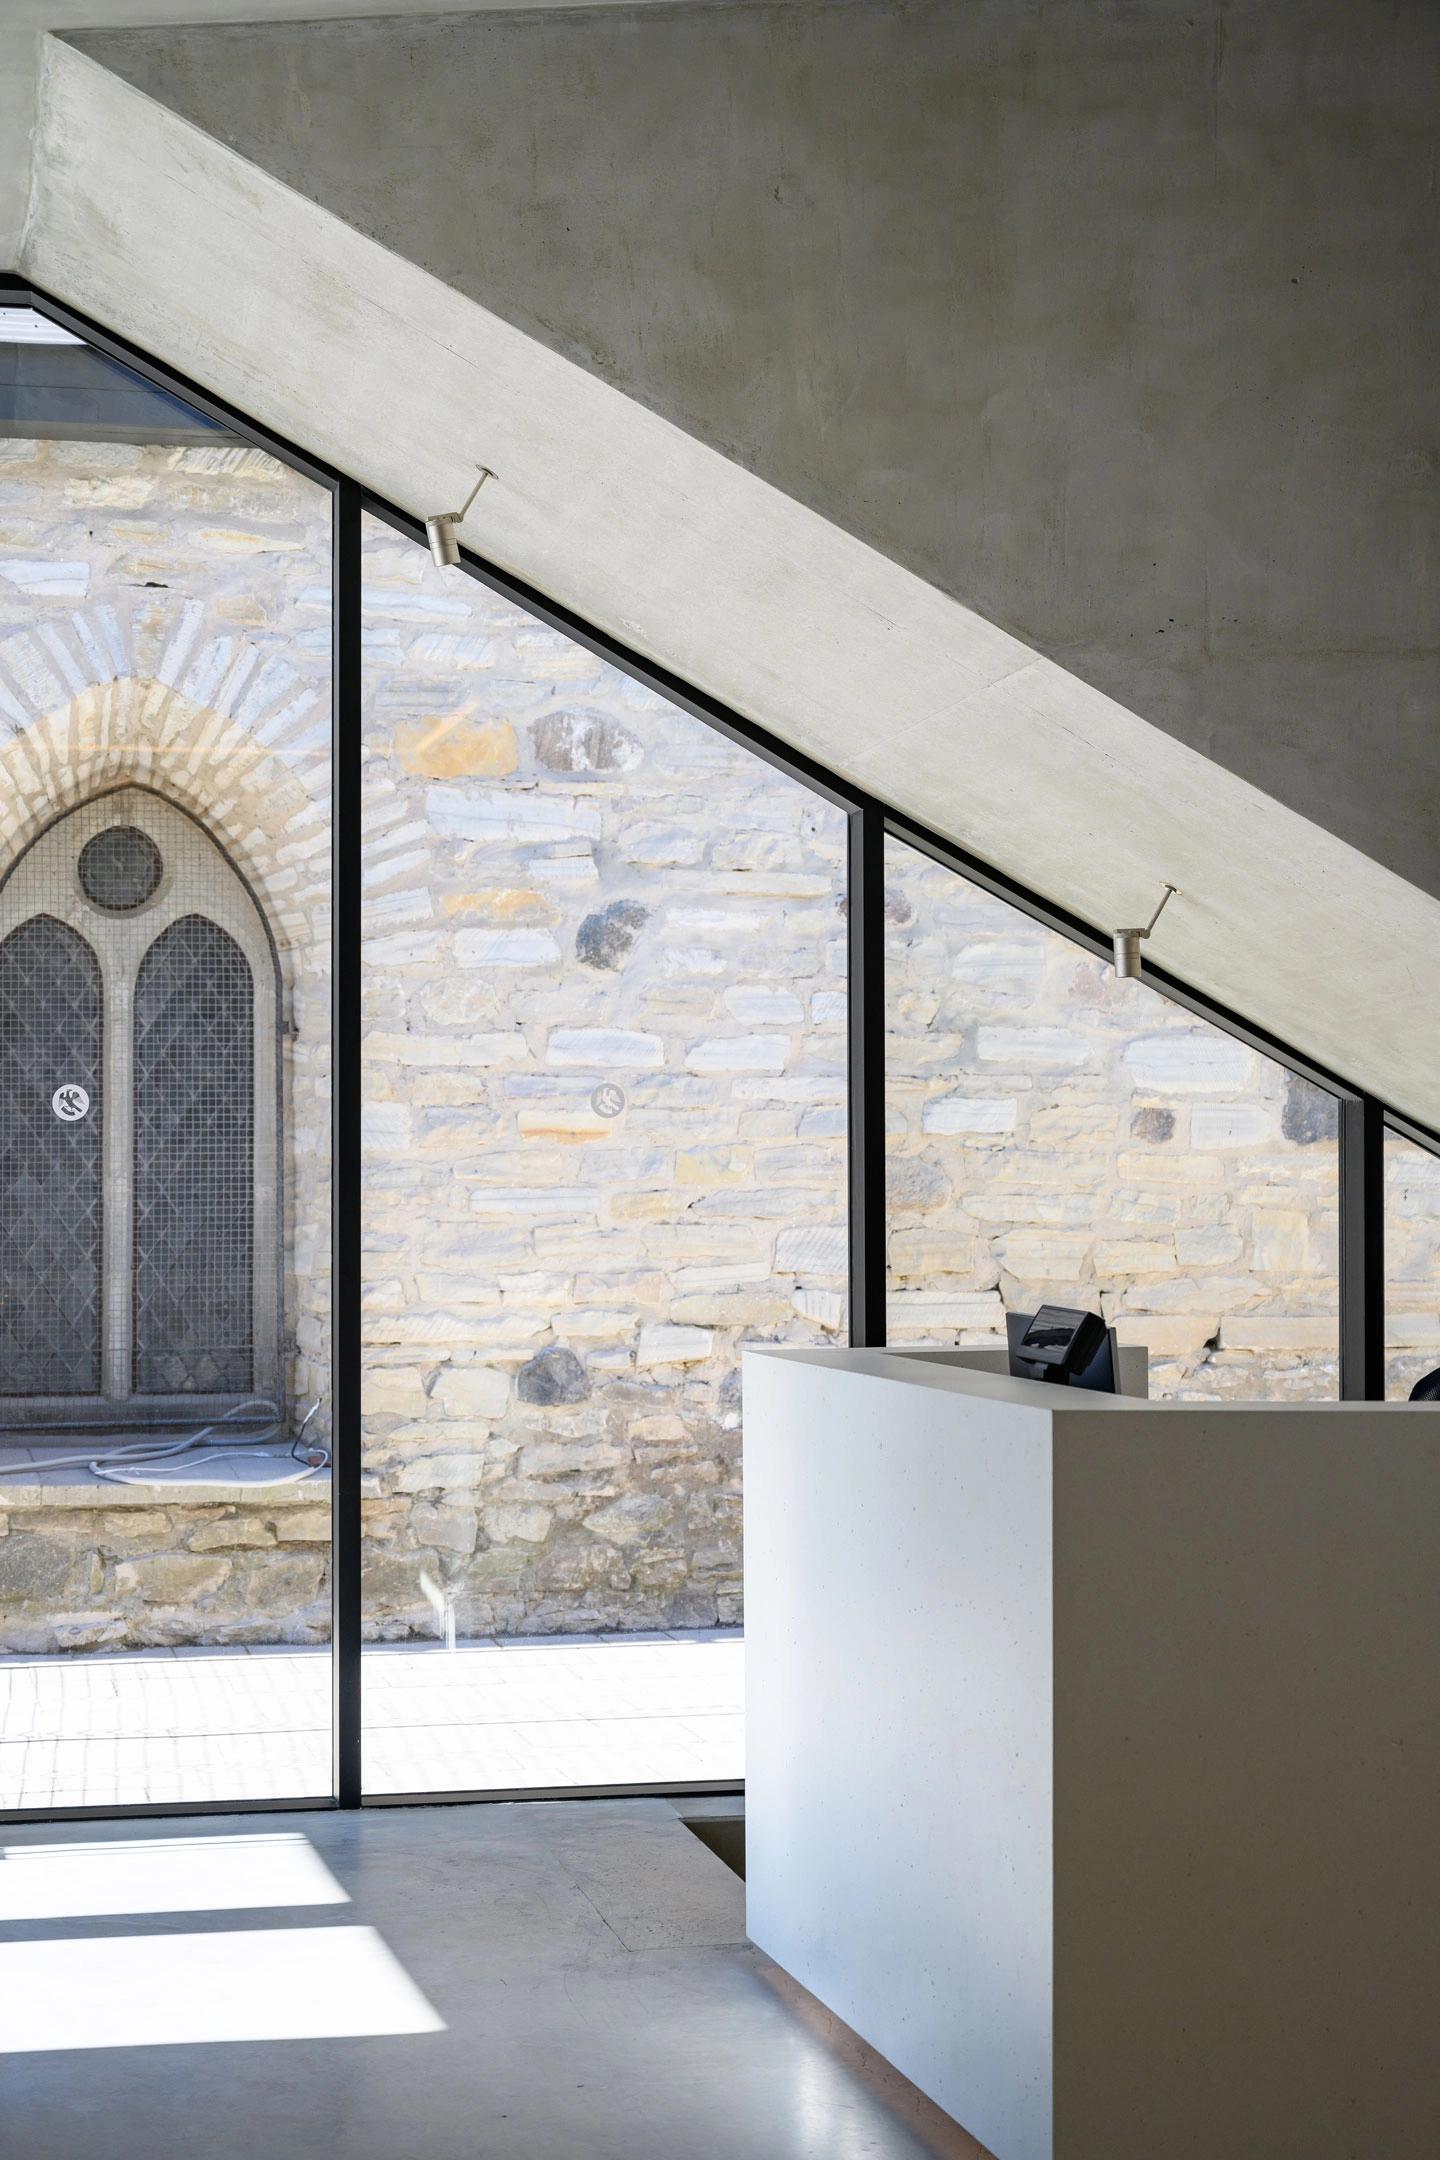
x=1056, y=1132
x=605, y=1117
x=165, y=621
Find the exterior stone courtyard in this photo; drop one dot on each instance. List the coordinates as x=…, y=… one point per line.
x=605, y=1086
x=169, y=1727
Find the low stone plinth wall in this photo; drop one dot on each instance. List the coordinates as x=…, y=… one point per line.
x=90, y=1565
x=87, y=1564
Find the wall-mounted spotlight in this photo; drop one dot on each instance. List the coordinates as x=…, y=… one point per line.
x=443, y=532
x=1128, y=942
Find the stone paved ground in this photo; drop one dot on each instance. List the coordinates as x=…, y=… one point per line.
x=254, y=1724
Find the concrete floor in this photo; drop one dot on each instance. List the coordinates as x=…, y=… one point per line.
x=109, y=1728
x=567, y=1981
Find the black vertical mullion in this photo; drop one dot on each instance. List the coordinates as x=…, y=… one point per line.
x=1362, y=1250
x=866, y=1007
x=345, y=1148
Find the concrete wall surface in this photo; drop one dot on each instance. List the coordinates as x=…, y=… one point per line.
x=1115, y=322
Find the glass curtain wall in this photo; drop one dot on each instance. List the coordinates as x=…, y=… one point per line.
x=1412, y=1264
x=604, y=1078
x=164, y=1136
x=1055, y=1132
x=604, y=1071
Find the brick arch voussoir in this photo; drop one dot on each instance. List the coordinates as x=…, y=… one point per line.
x=269, y=812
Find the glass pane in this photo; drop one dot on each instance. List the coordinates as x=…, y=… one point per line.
x=1412, y=1265
x=164, y=1070
x=1055, y=1132
x=605, y=1131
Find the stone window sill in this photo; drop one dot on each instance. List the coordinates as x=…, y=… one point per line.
x=250, y=1483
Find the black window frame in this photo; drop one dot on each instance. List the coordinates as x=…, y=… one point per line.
x=1364, y=1119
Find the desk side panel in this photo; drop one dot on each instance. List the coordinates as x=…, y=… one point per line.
x=898, y=1657
x=1247, y=1751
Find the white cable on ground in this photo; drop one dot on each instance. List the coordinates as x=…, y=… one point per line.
x=145, y=1462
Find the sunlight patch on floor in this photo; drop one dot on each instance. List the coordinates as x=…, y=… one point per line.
x=123, y=1991
x=163, y=1875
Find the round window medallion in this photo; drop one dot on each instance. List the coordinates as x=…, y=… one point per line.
x=120, y=869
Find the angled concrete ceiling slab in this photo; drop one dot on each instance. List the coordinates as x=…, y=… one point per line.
x=25, y=23
x=1115, y=323
x=335, y=342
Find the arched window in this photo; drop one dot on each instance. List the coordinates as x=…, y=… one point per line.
x=139, y=1146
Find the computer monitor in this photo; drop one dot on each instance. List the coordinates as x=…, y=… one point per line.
x=1064, y=1346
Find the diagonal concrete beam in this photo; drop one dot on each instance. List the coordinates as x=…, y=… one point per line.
x=178, y=243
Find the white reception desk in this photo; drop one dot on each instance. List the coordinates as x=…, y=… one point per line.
x=1094, y=1753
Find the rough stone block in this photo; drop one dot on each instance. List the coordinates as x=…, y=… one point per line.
x=449, y=1529
x=631, y=1518
x=1212, y=1245
x=243, y=1530
x=1029, y=1047
x=664, y=1345
x=36, y=1570
x=1272, y=1331
x=820, y=1250
x=442, y=1473
x=1134, y=1257
x=397, y=1389
x=553, y=1375
x=606, y=938
x=1228, y=1125
x=518, y=1525
x=390, y=1583
x=505, y=948
x=826, y=1308
x=170, y=1578
x=500, y=815
x=584, y=742
x=303, y=1526
x=739, y=1054
x=1190, y=1059
x=572, y=1122
x=502, y=1047
x=448, y=747
x=1278, y=1242
x=547, y=1458
x=969, y=1114
x=756, y=1005
x=282, y=1584
x=470, y=1391
x=617, y=1049
x=139, y=1525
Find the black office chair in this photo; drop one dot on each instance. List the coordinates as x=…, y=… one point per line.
x=1427, y=1387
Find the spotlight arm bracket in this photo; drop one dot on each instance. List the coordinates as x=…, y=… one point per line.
x=1165, y=897
x=457, y=517
x=1127, y=942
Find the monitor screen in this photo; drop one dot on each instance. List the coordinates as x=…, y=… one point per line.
x=1064, y=1345
x=1054, y=1327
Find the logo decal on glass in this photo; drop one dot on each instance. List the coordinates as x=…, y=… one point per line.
x=71, y=1102
x=608, y=1100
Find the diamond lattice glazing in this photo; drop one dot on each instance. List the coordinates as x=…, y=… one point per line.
x=51, y=1186
x=194, y=1164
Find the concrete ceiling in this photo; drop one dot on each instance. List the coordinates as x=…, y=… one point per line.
x=1116, y=324
x=142, y=220
x=25, y=23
